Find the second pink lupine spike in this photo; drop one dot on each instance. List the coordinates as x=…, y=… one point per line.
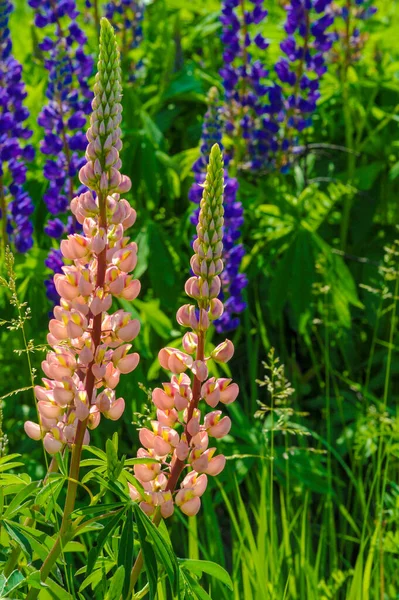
x=179, y=438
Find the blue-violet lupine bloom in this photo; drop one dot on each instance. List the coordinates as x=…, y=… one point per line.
x=127, y=19
x=15, y=204
x=233, y=282
x=351, y=36
x=299, y=72
x=251, y=102
x=64, y=117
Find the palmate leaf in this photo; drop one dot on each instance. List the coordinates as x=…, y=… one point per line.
x=114, y=465
x=150, y=560
x=294, y=277
x=11, y=583
x=56, y=591
x=163, y=550
x=17, y=502
x=7, y=462
x=103, y=536
x=97, y=509
x=102, y=568
x=161, y=269
x=14, y=531
x=194, y=587
x=116, y=585
x=198, y=567
x=36, y=540
x=125, y=551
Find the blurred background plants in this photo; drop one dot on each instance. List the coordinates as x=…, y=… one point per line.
x=308, y=505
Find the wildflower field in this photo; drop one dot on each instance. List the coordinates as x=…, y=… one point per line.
x=199, y=284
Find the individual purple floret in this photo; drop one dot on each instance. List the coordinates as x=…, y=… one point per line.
x=233, y=282
x=64, y=117
x=15, y=204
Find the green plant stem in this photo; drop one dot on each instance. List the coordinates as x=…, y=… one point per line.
x=96, y=16
x=66, y=530
x=3, y=209
x=349, y=134
x=178, y=465
x=271, y=512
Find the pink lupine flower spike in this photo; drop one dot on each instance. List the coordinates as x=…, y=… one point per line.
x=178, y=401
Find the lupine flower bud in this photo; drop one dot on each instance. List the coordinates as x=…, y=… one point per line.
x=223, y=352
x=178, y=401
x=84, y=371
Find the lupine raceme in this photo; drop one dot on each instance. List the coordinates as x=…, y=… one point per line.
x=180, y=437
x=90, y=344
x=16, y=207
x=268, y=109
x=63, y=118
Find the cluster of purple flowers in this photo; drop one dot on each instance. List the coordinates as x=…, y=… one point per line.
x=16, y=212
x=233, y=282
x=352, y=15
x=304, y=63
x=244, y=80
x=126, y=17
x=268, y=109
x=64, y=117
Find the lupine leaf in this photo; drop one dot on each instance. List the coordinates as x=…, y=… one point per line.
x=116, y=584
x=162, y=550
x=13, y=582
x=125, y=551
x=195, y=587
x=205, y=566
x=16, y=503
x=101, y=540
x=150, y=561
x=103, y=566
x=97, y=509
x=19, y=537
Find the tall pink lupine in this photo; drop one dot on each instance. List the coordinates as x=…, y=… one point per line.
x=90, y=344
x=178, y=401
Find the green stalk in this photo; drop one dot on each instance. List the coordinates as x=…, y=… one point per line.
x=271, y=528
x=3, y=209
x=349, y=134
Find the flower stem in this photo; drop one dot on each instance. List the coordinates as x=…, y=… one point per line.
x=179, y=464
x=349, y=132
x=3, y=209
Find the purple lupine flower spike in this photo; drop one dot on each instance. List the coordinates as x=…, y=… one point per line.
x=15, y=204
x=251, y=106
x=299, y=71
x=351, y=36
x=232, y=281
x=65, y=115
x=127, y=19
